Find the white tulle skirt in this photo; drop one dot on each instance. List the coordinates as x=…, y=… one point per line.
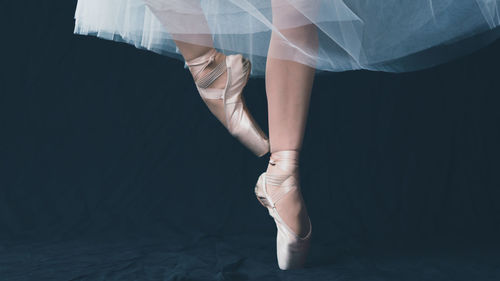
x=329, y=35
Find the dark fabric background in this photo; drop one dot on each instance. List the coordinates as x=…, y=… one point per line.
x=112, y=168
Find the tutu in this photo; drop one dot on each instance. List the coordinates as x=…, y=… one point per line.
x=329, y=35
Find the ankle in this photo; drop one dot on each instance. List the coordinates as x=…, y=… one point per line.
x=211, y=59
x=209, y=66
x=284, y=162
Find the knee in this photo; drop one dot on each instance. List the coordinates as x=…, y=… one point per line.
x=287, y=15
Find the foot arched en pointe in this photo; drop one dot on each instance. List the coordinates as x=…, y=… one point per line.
x=227, y=102
x=278, y=189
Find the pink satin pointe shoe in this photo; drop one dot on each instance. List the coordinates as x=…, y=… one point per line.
x=291, y=249
x=232, y=112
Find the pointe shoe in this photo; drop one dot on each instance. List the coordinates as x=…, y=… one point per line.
x=291, y=249
x=233, y=113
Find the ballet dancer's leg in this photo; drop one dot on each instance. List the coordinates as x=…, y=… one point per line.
x=192, y=44
x=191, y=51
x=288, y=88
x=190, y=32
x=186, y=22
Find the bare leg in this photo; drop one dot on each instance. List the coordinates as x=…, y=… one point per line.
x=288, y=87
x=190, y=45
x=191, y=51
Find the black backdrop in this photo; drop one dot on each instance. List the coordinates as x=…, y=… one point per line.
x=112, y=168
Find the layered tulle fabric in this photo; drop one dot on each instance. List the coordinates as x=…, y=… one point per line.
x=329, y=35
